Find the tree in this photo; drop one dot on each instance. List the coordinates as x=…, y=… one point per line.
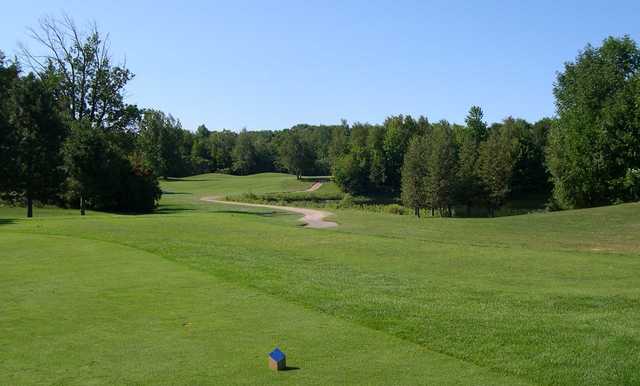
x=221, y=147
x=497, y=158
x=469, y=190
x=161, y=142
x=295, y=154
x=244, y=154
x=351, y=172
x=594, y=143
x=530, y=175
x=441, y=168
x=475, y=124
x=399, y=131
x=375, y=146
x=8, y=77
x=90, y=87
x=339, y=142
x=38, y=133
x=99, y=171
x=414, y=175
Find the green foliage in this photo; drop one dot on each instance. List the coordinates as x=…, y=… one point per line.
x=164, y=145
x=296, y=154
x=398, y=133
x=244, y=154
x=440, y=180
x=414, y=175
x=597, y=134
x=476, y=125
x=469, y=190
x=497, y=159
x=103, y=177
x=221, y=144
x=8, y=77
x=352, y=171
x=38, y=133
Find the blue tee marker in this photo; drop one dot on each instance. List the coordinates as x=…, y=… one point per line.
x=277, y=360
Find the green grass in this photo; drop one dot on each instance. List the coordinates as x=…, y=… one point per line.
x=199, y=292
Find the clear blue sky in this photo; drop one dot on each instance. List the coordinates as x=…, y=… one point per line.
x=271, y=64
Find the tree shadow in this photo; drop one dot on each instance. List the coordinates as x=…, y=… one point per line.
x=290, y=368
x=176, y=179
x=252, y=213
x=7, y=221
x=170, y=210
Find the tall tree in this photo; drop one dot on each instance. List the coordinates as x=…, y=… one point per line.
x=295, y=154
x=221, y=147
x=244, y=154
x=375, y=145
x=39, y=133
x=441, y=168
x=91, y=87
x=160, y=141
x=339, y=142
x=475, y=124
x=399, y=131
x=595, y=142
x=8, y=77
x=469, y=189
x=414, y=175
x=497, y=158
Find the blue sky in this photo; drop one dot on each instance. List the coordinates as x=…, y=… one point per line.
x=271, y=64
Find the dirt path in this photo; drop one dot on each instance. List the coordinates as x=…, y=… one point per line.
x=316, y=185
x=313, y=218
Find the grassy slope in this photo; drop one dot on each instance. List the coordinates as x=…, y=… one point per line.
x=551, y=298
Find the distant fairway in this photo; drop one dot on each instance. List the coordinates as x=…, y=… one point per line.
x=199, y=293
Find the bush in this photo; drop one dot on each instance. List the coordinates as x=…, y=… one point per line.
x=395, y=209
x=346, y=202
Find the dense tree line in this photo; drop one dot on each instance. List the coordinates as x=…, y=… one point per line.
x=173, y=151
x=68, y=137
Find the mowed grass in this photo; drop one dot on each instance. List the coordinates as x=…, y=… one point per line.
x=545, y=298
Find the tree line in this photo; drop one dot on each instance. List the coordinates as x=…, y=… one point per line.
x=69, y=137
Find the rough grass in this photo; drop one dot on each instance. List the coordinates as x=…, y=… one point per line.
x=546, y=298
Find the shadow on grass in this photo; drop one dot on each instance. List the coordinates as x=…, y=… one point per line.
x=175, y=179
x=261, y=214
x=170, y=210
x=7, y=221
x=290, y=368
x=170, y=193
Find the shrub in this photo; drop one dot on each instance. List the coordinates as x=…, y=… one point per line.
x=346, y=202
x=395, y=209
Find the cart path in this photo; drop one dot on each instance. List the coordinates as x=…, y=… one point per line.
x=313, y=218
x=316, y=185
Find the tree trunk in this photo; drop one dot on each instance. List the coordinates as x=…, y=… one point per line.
x=433, y=212
x=417, y=212
x=81, y=205
x=29, y=206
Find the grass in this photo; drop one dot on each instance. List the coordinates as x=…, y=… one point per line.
x=200, y=292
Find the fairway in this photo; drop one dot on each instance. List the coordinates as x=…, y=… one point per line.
x=199, y=293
